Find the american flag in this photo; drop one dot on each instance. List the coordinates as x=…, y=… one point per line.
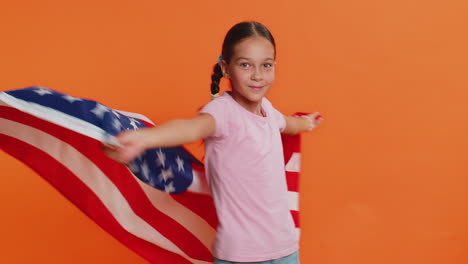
x=159, y=205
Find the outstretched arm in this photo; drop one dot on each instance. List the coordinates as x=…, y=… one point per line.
x=170, y=134
x=299, y=124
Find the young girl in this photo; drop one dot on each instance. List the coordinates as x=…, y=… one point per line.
x=243, y=152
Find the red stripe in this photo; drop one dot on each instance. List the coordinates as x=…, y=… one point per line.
x=137, y=199
x=139, y=202
x=292, y=179
x=295, y=216
x=80, y=195
x=125, y=182
x=201, y=204
x=291, y=144
x=198, y=203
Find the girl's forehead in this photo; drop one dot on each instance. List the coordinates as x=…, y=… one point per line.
x=254, y=48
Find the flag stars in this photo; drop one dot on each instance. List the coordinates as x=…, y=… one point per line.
x=161, y=161
x=145, y=170
x=100, y=110
x=180, y=164
x=154, y=182
x=169, y=188
x=70, y=98
x=116, y=113
x=134, y=120
x=116, y=124
x=166, y=174
x=42, y=91
x=133, y=123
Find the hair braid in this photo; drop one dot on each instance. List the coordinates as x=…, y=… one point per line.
x=215, y=79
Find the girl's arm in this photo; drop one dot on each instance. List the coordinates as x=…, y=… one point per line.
x=299, y=124
x=173, y=133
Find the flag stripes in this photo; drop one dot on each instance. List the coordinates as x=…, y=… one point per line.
x=66, y=151
x=150, y=224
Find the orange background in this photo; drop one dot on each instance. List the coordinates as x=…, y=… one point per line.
x=384, y=179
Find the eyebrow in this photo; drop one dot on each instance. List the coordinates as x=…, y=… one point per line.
x=244, y=58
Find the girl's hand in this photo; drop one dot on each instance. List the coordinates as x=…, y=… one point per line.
x=301, y=123
x=130, y=145
x=313, y=120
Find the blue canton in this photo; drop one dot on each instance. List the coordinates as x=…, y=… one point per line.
x=167, y=169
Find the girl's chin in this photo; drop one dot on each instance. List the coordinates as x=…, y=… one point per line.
x=250, y=99
x=252, y=95
x=255, y=98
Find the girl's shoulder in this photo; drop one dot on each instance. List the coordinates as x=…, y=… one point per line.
x=267, y=105
x=219, y=106
x=222, y=101
x=266, y=102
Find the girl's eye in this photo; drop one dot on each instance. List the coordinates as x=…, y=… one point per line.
x=244, y=65
x=267, y=65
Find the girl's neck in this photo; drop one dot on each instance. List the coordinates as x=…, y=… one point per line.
x=253, y=107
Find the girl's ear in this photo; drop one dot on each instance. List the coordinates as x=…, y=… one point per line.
x=225, y=69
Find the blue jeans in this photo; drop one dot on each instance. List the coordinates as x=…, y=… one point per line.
x=291, y=259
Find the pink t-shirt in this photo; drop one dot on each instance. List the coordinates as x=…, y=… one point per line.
x=244, y=165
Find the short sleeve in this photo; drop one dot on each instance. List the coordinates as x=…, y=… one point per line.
x=278, y=117
x=280, y=120
x=217, y=109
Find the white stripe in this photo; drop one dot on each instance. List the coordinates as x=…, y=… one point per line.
x=192, y=222
x=294, y=163
x=95, y=179
x=298, y=232
x=184, y=216
x=65, y=120
x=293, y=201
x=56, y=117
x=199, y=183
x=135, y=115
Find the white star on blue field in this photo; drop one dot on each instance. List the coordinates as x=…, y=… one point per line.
x=167, y=169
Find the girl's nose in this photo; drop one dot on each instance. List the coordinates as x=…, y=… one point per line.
x=256, y=74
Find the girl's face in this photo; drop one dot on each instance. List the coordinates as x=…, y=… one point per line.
x=251, y=70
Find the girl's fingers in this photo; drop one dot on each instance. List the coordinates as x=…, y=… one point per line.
x=314, y=119
x=316, y=116
x=109, y=146
x=113, y=152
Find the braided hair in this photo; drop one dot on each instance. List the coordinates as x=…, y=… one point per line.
x=237, y=33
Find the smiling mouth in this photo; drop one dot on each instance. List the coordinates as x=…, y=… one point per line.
x=256, y=87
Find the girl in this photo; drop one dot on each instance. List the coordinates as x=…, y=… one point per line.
x=243, y=153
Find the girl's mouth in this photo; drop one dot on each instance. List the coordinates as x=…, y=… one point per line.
x=256, y=88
